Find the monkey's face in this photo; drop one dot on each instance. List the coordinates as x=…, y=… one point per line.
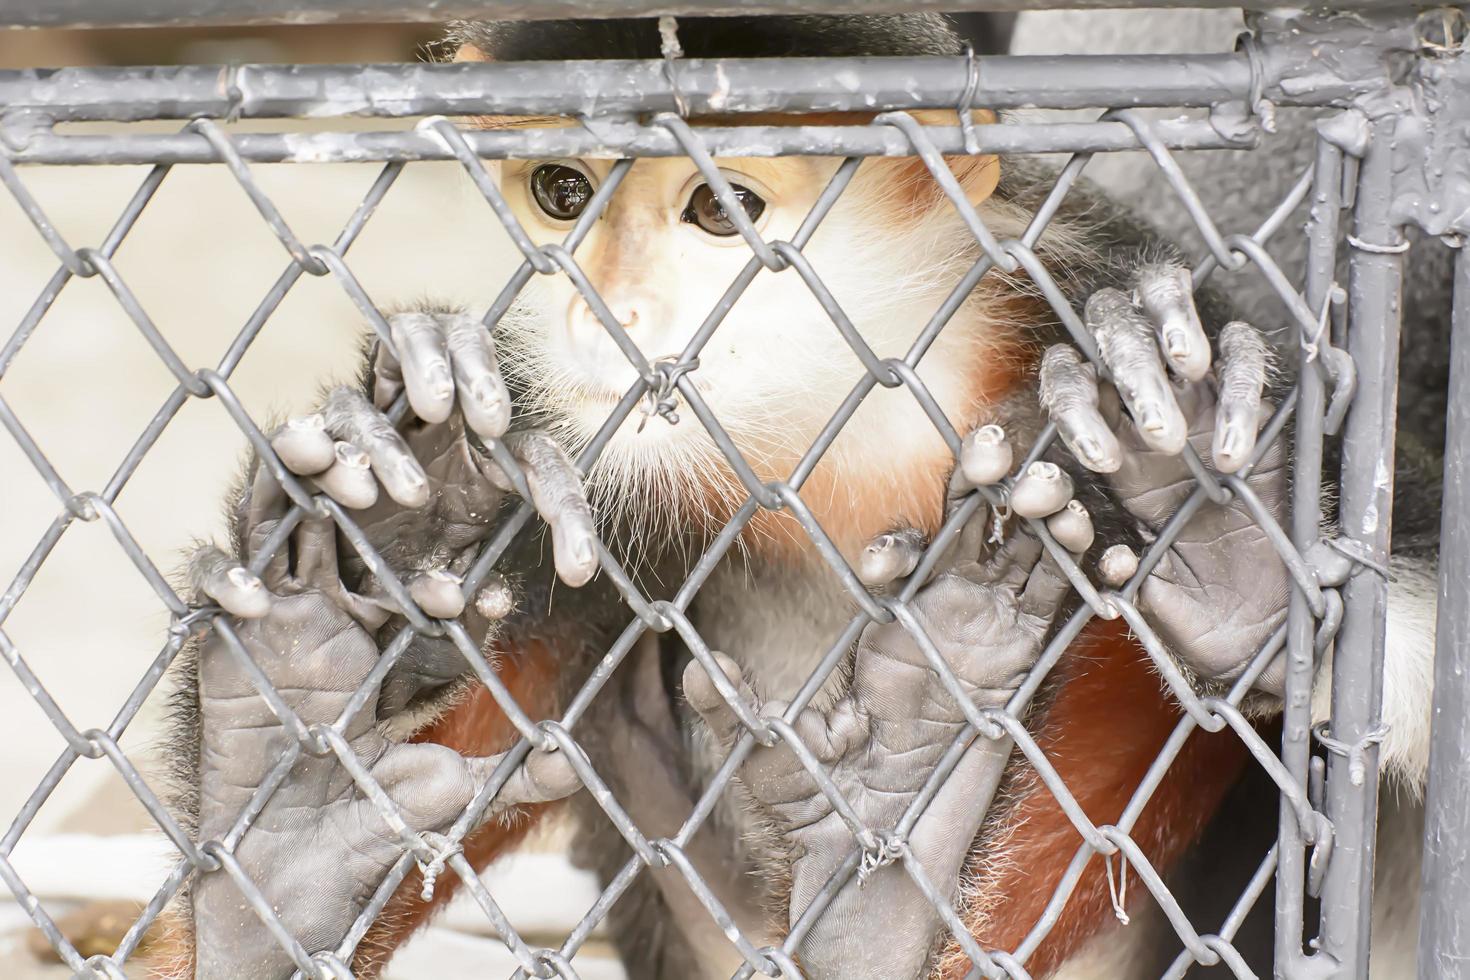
x=660, y=256
x=664, y=255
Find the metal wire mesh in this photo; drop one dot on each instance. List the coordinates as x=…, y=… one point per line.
x=1315, y=404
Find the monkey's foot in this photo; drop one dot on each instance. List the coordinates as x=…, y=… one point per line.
x=321, y=844
x=1220, y=590
x=986, y=616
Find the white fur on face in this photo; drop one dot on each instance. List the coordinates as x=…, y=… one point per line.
x=776, y=368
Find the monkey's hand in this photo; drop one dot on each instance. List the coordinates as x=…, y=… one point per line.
x=424, y=494
x=987, y=616
x=319, y=846
x=441, y=494
x=1221, y=590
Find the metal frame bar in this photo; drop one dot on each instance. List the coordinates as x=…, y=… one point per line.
x=609, y=88
x=1444, y=933
x=190, y=13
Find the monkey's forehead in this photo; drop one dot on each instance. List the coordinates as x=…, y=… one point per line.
x=777, y=172
x=940, y=117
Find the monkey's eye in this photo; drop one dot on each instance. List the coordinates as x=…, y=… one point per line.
x=560, y=191
x=706, y=211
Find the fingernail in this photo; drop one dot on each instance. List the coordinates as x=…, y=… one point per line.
x=1176, y=344
x=315, y=422
x=1150, y=417
x=986, y=456
x=244, y=578
x=1042, y=490
x=1072, y=527
x=488, y=395
x=349, y=455
x=1230, y=442
x=413, y=475
x=586, y=553
x=441, y=383
x=1117, y=565
x=494, y=600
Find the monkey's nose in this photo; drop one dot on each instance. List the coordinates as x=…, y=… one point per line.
x=626, y=313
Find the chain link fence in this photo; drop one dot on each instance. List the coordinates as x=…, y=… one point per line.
x=1324, y=855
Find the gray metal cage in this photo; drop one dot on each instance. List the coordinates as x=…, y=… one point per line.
x=1392, y=80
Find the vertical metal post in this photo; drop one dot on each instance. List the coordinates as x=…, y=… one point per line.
x=1444, y=906
x=1306, y=517
x=1374, y=289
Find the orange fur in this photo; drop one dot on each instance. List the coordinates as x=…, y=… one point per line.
x=476, y=726
x=1102, y=732
x=855, y=511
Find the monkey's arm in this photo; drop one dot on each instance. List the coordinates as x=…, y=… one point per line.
x=987, y=616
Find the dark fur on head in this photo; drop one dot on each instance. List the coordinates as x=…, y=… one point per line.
x=715, y=37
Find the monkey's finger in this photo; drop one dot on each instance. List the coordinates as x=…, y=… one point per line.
x=543, y=777
x=424, y=355
x=349, y=480
x=482, y=394
x=304, y=445
x=1072, y=527
x=317, y=568
x=1069, y=394
x=1242, y=376
x=352, y=418
x=314, y=549
x=387, y=376
x=239, y=591
x=986, y=456
x=1013, y=561
x=1047, y=584
x=556, y=490
x=495, y=600
x=439, y=593
x=1166, y=293
x=1045, y=589
x=890, y=556
x=1042, y=490
x=1117, y=565
x=1126, y=342
x=265, y=505
x=705, y=698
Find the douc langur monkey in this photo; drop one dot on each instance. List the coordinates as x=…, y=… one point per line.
x=1183, y=372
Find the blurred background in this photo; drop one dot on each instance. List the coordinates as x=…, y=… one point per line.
x=86, y=384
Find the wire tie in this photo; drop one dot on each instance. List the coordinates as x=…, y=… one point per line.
x=1358, y=555
x=1377, y=249
x=1354, y=753
x=888, y=849
x=435, y=865
x=967, y=101
x=664, y=399
x=999, y=515
x=1118, y=891
x=1311, y=347
x=672, y=50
